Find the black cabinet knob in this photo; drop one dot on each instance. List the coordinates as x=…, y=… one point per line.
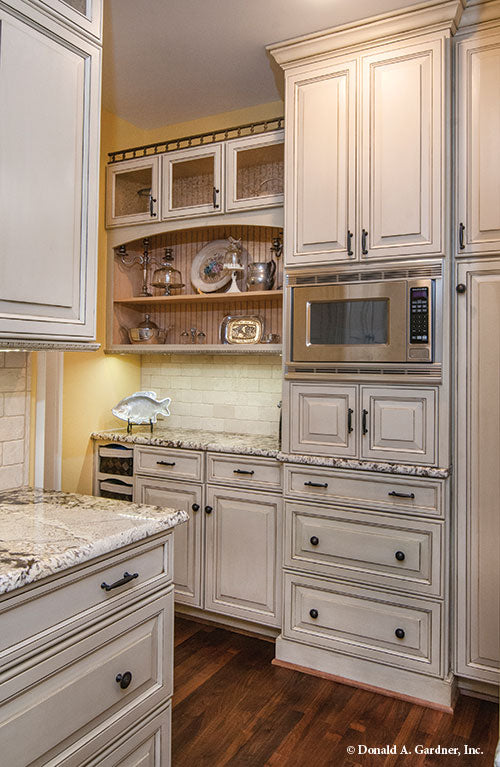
x=195, y=507
x=124, y=679
x=460, y=288
x=400, y=556
x=400, y=633
x=313, y=613
x=314, y=540
x=208, y=509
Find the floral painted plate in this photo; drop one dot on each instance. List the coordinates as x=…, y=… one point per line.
x=207, y=269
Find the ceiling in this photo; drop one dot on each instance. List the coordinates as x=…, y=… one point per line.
x=170, y=61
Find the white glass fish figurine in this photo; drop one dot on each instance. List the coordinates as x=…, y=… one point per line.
x=141, y=407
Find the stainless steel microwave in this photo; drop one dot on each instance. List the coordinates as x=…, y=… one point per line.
x=380, y=321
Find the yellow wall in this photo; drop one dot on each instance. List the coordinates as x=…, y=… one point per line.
x=94, y=382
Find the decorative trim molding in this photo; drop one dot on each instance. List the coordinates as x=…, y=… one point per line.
x=21, y=345
x=479, y=12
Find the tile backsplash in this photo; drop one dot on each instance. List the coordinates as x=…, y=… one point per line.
x=15, y=385
x=235, y=394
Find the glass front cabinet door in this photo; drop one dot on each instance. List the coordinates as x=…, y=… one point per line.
x=192, y=182
x=254, y=171
x=132, y=189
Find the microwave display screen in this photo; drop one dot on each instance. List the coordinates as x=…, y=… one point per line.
x=346, y=323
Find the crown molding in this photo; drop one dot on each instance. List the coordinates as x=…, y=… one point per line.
x=479, y=12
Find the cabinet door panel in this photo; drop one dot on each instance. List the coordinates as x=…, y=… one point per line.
x=321, y=164
x=477, y=476
x=132, y=189
x=49, y=112
x=188, y=539
x=254, y=171
x=243, y=555
x=192, y=182
x=323, y=421
x=478, y=159
x=402, y=115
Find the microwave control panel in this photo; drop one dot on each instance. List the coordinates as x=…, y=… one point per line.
x=419, y=315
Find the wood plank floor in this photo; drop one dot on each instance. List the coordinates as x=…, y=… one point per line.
x=232, y=707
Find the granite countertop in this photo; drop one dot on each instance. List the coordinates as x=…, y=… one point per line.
x=195, y=439
x=45, y=532
x=382, y=467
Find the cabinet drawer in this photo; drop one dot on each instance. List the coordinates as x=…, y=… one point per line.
x=79, y=596
x=164, y=462
x=259, y=473
x=72, y=697
x=363, y=622
x=374, y=548
x=387, y=493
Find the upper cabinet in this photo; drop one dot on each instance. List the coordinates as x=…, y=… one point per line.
x=478, y=157
x=192, y=182
x=49, y=154
x=132, y=191
x=367, y=139
x=84, y=15
x=254, y=171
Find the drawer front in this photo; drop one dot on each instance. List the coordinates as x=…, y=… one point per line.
x=81, y=596
x=387, y=493
x=364, y=622
x=73, y=695
x=366, y=547
x=258, y=473
x=164, y=462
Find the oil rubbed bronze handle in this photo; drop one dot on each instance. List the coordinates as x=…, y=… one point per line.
x=364, y=427
x=165, y=463
x=316, y=484
x=400, y=556
x=242, y=471
x=214, y=198
x=152, y=200
x=124, y=679
x=350, y=251
x=127, y=577
x=364, y=236
x=461, y=232
x=350, y=411
x=400, y=633
x=313, y=613
x=208, y=509
x=314, y=540
x=401, y=495
x=195, y=507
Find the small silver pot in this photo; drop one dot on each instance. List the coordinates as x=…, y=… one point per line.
x=260, y=275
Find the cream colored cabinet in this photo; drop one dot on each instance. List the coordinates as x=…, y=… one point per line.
x=476, y=476
x=243, y=547
x=49, y=153
x=478, y=154
x=192, y=182
x=395, y=423
x=85, y=15
x=254, y=171
x=132, y=191
x=188, y=537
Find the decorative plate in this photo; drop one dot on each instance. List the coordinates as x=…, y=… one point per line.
x=207, y=269
x=241, y=330
x=141, y=407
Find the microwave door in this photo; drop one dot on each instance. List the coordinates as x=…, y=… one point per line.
x=350, y=323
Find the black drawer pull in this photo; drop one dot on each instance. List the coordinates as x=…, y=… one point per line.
x=401, y=495
x=461, y=230
x=195, y=507
x=208, y=509
x=242, y=471
x=124, y=679
x=400, y=633
x=313, y=613
x=127, y=577
x=364, y=237
x=364, y=427
x=314, y=540
x=165, y=463
x=349, y=243
x=400, y=556
x=316, y=484
x=350, y=411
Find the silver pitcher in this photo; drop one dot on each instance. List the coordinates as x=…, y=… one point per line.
x=260, y=275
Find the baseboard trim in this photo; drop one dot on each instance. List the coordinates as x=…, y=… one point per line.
x=268, y=633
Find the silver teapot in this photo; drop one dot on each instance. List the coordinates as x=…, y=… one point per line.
x=260, y=275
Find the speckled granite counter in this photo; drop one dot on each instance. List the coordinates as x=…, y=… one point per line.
x=42, y=532
x=375, y=466
x=194, y=439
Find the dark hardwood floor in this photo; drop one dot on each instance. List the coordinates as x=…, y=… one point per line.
x=232, y=707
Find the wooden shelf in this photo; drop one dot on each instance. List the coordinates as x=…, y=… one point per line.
x=195, y=349
x=249, y=295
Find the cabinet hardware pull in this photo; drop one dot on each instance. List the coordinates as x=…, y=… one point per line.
x=401, y=495
x=461, y=230
x=242, y=471
x=350, y=251
x=316, y=484
x=400, y=556
x=350, y=411
x=195, y=507
x=364, y=235
x=124, y=679
x=165, y=463
x=208, y=509
x=152, y=200
x=127, y=577
x=214, y=198
x=363, y=425
x=314, y=540
x=400, y=633
x=460, y=288
x=313, y=613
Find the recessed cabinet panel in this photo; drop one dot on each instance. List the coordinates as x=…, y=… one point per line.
x=323, y=419
x=321, y=157
x=254, y=171
x=132, y=192
x=192, y=182
x=402, y=113
x=478, y=113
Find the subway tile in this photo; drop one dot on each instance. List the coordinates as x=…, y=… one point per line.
x=11, y=427
x=11, y=476
x=224, y=411
x=15, y=359
x=13, y=452
x=13, y=380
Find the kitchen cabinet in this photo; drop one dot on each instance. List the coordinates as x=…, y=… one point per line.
x=84, y=15
x=254, y=171
x=49, y=189
x=192, y=182
x=132, y=191
x=476, y=477
x=477, y=222
x=391, y=423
